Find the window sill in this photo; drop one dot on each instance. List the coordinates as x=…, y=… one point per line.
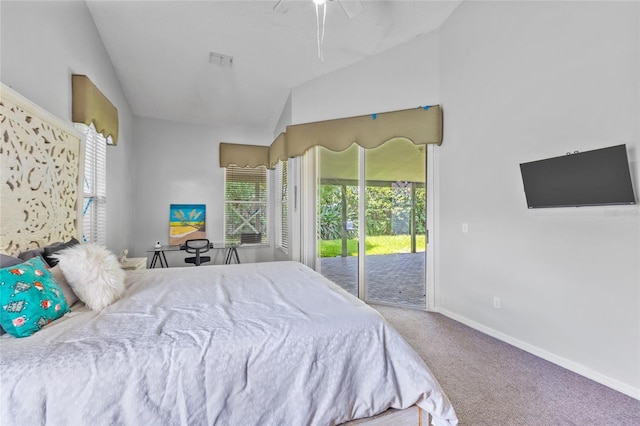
x=254, y=245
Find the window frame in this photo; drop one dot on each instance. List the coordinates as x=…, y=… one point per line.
x=281, y=197
x=261, y=197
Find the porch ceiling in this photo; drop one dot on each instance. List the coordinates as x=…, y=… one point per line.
x=396, y=160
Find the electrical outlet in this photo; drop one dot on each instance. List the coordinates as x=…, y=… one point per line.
x=496, y=302
x=465, y=227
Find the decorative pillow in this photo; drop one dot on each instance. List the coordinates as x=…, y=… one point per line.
x=52, y=249
x=29, y=298
x=93, y=273
x=5, y=261
x=69, y=296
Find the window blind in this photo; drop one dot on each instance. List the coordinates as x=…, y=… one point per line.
x=94, y=211
x=282, y=228
x=246, y=205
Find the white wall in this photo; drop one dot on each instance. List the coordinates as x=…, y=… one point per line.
x=520, y=82
x=404, y=77
x=179, y=163
x=285, y=118
x=41, y=45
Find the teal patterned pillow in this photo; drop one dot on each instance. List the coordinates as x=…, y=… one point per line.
x=29, y=298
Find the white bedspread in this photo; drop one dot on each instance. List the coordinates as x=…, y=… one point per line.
x=255, y=344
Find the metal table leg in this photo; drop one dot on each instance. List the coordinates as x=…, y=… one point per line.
x=159, y=256
x=231, y=254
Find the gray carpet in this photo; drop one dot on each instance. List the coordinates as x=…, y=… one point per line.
x=490, y=382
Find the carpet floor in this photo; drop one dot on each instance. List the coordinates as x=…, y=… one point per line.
x=490, y=382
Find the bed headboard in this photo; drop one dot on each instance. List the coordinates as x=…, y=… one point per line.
x=40, y=176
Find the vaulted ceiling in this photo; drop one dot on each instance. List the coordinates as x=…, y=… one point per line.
x=161, y=50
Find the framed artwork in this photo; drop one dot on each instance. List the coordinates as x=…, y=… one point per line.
x=186, y=221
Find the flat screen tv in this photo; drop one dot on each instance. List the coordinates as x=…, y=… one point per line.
x=590, y=178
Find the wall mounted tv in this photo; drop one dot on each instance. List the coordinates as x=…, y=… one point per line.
x=590, y=178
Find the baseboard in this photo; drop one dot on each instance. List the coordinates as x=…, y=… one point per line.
x=577, y=368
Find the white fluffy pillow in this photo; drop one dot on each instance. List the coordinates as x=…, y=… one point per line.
x=93, y=273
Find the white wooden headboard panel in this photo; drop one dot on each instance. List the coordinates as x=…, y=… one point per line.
x=40, y=176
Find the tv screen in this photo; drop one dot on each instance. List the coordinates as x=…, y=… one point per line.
x=590, y=178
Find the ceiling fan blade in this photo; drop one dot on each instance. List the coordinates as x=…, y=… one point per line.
x=351, y=8
x=281, y=7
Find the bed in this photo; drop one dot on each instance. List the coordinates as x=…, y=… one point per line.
x=257, y=344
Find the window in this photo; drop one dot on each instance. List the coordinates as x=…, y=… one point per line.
x=245, y=218
x=94, y=210
x=282, y=228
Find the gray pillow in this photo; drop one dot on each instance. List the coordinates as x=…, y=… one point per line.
x=30, y=254
x=52, y=249
x=59, y=277
x=6, y=261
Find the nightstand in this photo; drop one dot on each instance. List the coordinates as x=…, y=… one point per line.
x=134, y=263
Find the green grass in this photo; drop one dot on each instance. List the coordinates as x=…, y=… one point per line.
x=382, y=244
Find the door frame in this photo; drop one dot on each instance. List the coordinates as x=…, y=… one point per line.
x=432, y=236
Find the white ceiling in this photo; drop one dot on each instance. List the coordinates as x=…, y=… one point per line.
x=160, y=50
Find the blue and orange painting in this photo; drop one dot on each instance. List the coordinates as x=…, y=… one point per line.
x=187, y=221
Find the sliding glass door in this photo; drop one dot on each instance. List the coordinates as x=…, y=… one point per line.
x=371, y=218
x=394, y=206
x=337, y=216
